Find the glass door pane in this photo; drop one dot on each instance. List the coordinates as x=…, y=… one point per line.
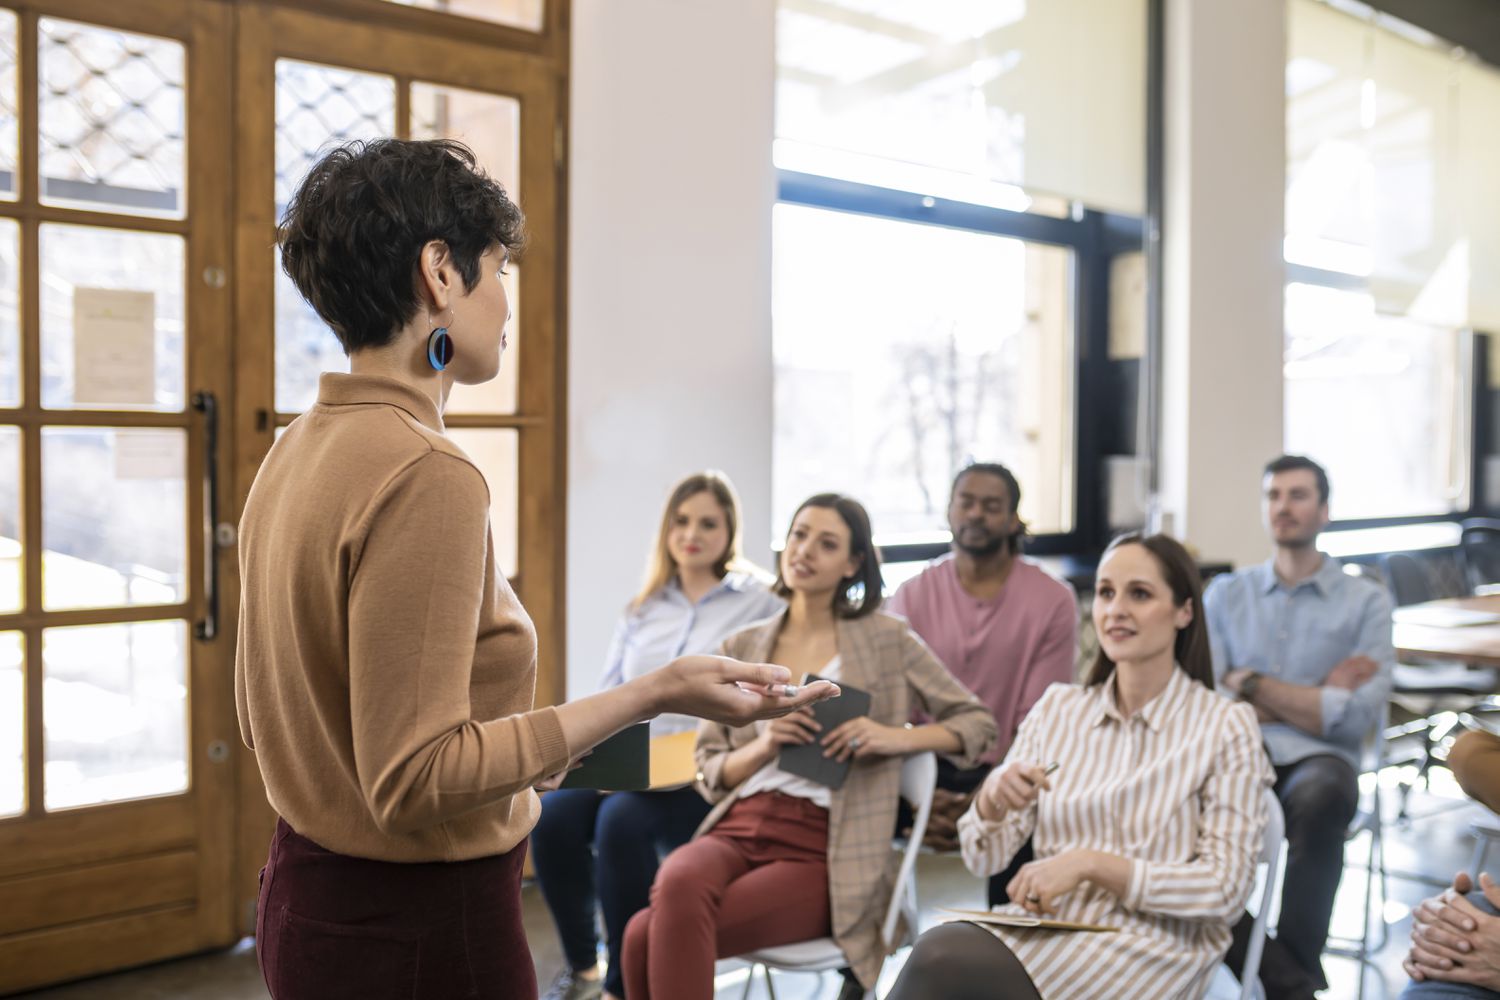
x=9, y=121
x=11, y=581
x=527, y=14
x=490, y=125
x=114, y=516
x=12, y=725
x=113, y=120
x=10, y=317
x=317, y=107
x=112, y=319
x=116, y=719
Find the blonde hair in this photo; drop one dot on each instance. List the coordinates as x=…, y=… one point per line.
x=661, y=567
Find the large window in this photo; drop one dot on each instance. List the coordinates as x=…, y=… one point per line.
x=952, y=195
x=1382, y=400
x=1391, y=257
x=904, y=351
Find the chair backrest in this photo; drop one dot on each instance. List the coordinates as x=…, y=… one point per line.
x=1270, y=856
x=918, y=778
x=1365, y=571
x=1407, y=578
x=1479, y=548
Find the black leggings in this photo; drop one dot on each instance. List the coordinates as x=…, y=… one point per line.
x=962, y=961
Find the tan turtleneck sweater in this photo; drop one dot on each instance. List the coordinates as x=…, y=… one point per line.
x=385, y=670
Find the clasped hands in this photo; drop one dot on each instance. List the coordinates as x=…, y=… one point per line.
x=1454, y=941
x=854, y=739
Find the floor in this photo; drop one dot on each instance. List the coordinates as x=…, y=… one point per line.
x=1421, y=855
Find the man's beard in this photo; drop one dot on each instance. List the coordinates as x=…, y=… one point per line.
x=1297, y=541
x=991, y=546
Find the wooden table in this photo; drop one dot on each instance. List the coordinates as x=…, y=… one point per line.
x=1474, y=644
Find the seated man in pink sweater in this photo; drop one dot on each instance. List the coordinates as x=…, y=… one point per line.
x=1001, y=625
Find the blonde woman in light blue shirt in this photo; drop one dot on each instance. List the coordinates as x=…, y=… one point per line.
x=591, y=850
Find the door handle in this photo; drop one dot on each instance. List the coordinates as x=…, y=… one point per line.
x=207, y=627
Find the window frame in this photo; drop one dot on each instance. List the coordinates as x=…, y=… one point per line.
x=1095, y=238
x=1478, y=407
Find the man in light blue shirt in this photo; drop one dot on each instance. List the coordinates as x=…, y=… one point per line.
x=1310, y=648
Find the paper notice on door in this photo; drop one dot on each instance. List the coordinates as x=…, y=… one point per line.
x=150, y=454
x=114, y=347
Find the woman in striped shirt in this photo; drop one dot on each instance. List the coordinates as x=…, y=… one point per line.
x=1151, y=822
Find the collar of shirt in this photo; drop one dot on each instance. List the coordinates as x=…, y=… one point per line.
x=1328, y=576
x=340, y=389
x=1155, y=713
x=735, y=583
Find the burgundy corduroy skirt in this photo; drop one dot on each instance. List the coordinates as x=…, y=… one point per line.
x=330, y=926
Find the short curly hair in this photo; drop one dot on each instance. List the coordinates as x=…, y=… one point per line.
x=353, y=233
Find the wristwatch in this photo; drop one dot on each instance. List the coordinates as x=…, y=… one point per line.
x=1249, y=686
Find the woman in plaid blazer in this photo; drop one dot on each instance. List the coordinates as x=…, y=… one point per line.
x=782, y=859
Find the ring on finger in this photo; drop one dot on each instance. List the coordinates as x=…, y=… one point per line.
x=854, y=743
x=1033, y=898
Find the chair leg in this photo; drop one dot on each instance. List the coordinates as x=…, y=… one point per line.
x=1377, y=858
x=770, y=988
x=749, y=982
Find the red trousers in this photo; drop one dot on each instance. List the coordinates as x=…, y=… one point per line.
x=759, y=878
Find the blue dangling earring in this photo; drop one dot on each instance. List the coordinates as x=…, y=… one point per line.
x=439, y=348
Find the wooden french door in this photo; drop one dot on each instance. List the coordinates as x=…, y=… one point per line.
x=149, y=353
x=116, y=749
x=309, y=76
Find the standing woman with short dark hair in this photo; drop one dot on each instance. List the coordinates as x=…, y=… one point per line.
x=782, y=859
x=385, y=671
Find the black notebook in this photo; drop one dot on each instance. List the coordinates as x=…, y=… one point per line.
x=621, y=763
x=807, y=761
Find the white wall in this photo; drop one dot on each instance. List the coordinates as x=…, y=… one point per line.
x=1225, y=189
x=669, y=325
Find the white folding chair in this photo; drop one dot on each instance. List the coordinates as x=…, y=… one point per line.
x=1224, y=985
x=918, y=777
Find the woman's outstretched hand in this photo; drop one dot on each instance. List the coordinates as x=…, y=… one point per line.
x=733, y=692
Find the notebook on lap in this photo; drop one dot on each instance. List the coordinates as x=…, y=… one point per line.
x=807, y=761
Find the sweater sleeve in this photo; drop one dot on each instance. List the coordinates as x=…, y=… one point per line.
x=415, y=594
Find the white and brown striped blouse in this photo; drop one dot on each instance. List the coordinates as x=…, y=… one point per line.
x=1178, y=789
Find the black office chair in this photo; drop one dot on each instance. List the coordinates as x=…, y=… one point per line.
x=1442, y=696
x=1479, y=551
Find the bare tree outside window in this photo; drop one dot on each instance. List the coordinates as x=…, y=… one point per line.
x=905, y=351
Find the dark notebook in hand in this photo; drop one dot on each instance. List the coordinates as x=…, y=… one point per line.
x=621, y=763
x=807, y=761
